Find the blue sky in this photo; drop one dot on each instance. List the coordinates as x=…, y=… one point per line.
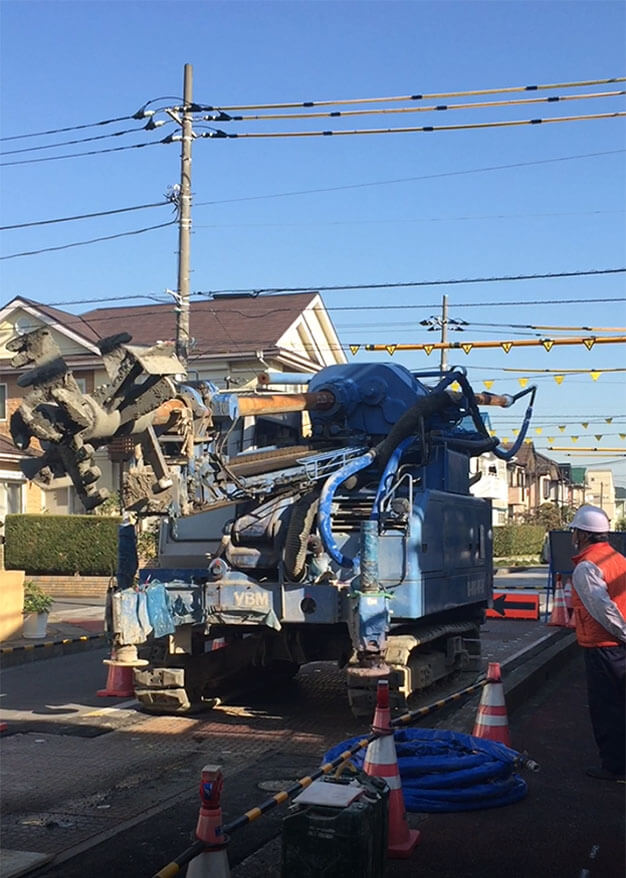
x=67, y=63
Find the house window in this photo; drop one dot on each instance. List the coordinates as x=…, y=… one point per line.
x=82, y=384
x=3, y=402
x=13, y=497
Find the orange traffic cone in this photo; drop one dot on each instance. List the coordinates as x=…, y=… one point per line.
x=213, y=862
x=559, y=616
x=568, y=590
x=491, y=720
x=119, y=682
x=381, y=760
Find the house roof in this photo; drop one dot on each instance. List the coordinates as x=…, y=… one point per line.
x=224, y=325
x=8, y=450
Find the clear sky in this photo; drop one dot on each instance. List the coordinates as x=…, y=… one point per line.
x=369, y=209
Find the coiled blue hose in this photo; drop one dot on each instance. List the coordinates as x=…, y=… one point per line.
x=449, y=771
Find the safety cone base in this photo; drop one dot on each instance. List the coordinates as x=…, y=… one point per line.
x=404, y=850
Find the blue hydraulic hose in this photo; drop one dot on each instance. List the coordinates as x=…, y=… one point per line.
x=390, y=469
x=326, y=499
x=507, y=455
x=448, y=771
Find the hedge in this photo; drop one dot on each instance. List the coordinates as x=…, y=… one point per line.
x=518, y=539
x=61, y=544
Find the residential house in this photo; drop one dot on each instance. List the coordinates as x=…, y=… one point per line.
x=534, y=479
x=234, y=338
x=491, y=483
x=620, y=504
x=601, y=491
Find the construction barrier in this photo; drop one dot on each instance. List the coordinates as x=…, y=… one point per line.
x=9, y=650
x=348, y=750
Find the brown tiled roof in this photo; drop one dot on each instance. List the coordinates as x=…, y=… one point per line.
x=220, y=325
x=74, y=322
x=7, y=447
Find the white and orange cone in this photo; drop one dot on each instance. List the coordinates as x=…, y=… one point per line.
x=568, y=590
x=559, y=616
x=213, y=862
x=492, y=721
x=120, y=683
x=381, y=760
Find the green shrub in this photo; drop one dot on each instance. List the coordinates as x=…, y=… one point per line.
x=517, y=539
x=36, y=600
x=61, y=544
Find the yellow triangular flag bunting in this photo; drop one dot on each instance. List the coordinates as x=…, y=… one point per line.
x=562, y=428
x=622, y=435
x=391, y=349
x=488, y=384
x=589, y=343
x=354, y=348
x=559, y=379
x=538, y=430
x=595, y=375
x=523, y=382
x=506, y=346
x=455, y=385
x=492, y=432
x=584, y=424
x=505, y=439
x=547, y=343
x=467, y=347
x=528, y=441
x=550, y=439
x=598, y=436
x=429, y=349
x=515, y=432
x=575, y=438
x=608, y=420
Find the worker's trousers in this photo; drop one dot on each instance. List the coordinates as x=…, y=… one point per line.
x=606, y=687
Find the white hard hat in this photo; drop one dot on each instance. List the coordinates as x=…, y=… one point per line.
x=591, y=518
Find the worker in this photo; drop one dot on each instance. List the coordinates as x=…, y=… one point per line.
x=599, y=581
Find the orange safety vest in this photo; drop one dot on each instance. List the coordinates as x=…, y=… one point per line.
x=613, y=567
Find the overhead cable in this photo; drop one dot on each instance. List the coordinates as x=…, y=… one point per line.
x=420, y=97
x=70, y=128
x=82, y=216
x=90, y=241
x=425, y=283
x=74, y=155
x=224, y=117
x=421, y=305
x=566, y=158
x=78, y=140
x=218, y=133
x=424, y=219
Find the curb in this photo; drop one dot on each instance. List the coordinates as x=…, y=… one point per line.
x=32, y=652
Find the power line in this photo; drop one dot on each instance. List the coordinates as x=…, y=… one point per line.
x=424, y=305
x=71, y=127
x=72, y=155
x=224, y=117
x=218, y=133
x=425, y=283
x=412, y=179
x=419, y=97
x=78, y=140
x=426, y=219
x=67, y=219
x=90, y=241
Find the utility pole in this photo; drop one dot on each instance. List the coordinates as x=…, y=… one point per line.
x=184, y=223
x=444, y=332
